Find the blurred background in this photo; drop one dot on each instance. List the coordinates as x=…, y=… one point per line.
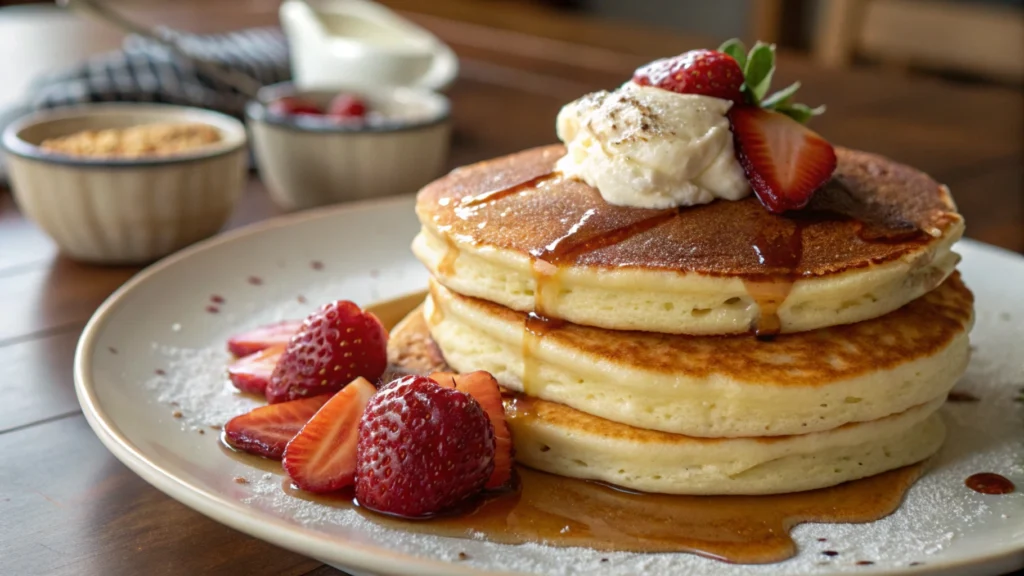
x=961, y=40
x=933, y=83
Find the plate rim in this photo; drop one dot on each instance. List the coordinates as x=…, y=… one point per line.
x=297, y=538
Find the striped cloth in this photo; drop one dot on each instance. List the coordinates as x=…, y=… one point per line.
x=146, y=71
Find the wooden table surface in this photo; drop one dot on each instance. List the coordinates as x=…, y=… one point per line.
x=67, y=506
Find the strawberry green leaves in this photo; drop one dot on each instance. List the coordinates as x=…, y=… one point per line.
x=736, y=49
x=758, y=68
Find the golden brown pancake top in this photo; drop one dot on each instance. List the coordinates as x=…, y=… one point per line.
x=411, y=349
x=874, y=210
x=816, y=358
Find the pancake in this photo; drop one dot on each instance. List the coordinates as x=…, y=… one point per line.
x=513, y=232
x=717, y=386
x=556, y=438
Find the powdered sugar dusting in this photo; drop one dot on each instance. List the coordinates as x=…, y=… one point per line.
x=194, y=386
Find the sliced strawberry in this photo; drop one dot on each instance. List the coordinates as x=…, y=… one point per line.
x=422, y=449
x=322, y=456
x=266, y=430
x=334, y=346
x=785, y=161
x=705, y=72
x=257, y=339
x=484, y=389
x=252, y=373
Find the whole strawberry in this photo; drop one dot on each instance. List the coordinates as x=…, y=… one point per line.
x=422, y=449
x=704, y=72
x=334, y=346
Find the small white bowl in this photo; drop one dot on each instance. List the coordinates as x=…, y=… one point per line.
x=122, y=210
x=309, y=161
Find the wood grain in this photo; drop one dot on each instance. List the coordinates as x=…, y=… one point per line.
x=68, y=507
x=73, y=509
x=36, y=379
x=41, y=299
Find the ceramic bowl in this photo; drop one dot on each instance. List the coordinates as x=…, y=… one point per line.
x=308, y=161
x=123, y=210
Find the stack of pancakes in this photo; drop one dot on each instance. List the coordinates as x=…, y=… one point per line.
x=717, y=349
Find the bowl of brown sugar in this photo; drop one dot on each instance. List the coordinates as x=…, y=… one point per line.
x=124, y=183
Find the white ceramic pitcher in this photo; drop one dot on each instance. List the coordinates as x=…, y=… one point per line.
x=353, y=43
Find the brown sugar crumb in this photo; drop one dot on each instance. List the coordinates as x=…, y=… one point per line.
x=176, y=414
x=463, y=556
x=201, y=431
x=145, y=141
x=301, y=299
x=240, y=480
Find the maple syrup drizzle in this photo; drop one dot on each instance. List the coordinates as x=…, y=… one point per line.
x=780, y=250
x=989, y=483
x=447, y=265
x=499, y=193
x=582, y=238
x=464, y=209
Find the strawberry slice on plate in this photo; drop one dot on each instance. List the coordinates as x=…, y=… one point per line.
x=784, y=161
x=484, y=389
x=266, y=430
x=277, y=334
x=322, y=456
x=334, y=346
x=252, y=373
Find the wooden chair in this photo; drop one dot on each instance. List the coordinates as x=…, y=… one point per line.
x=980, y=38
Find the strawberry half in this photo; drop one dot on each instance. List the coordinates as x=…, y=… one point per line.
x=322, y=456
x=705, y=72
x=252, y=373
x=484, y=389
x=422, y=449
x=334, y=346
x=266, y=430
x=784, y=161
x=253, y=341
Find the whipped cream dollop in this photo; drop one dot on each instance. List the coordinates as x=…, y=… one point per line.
x=651, y=148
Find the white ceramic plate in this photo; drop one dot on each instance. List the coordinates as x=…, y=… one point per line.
x=159, y=320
